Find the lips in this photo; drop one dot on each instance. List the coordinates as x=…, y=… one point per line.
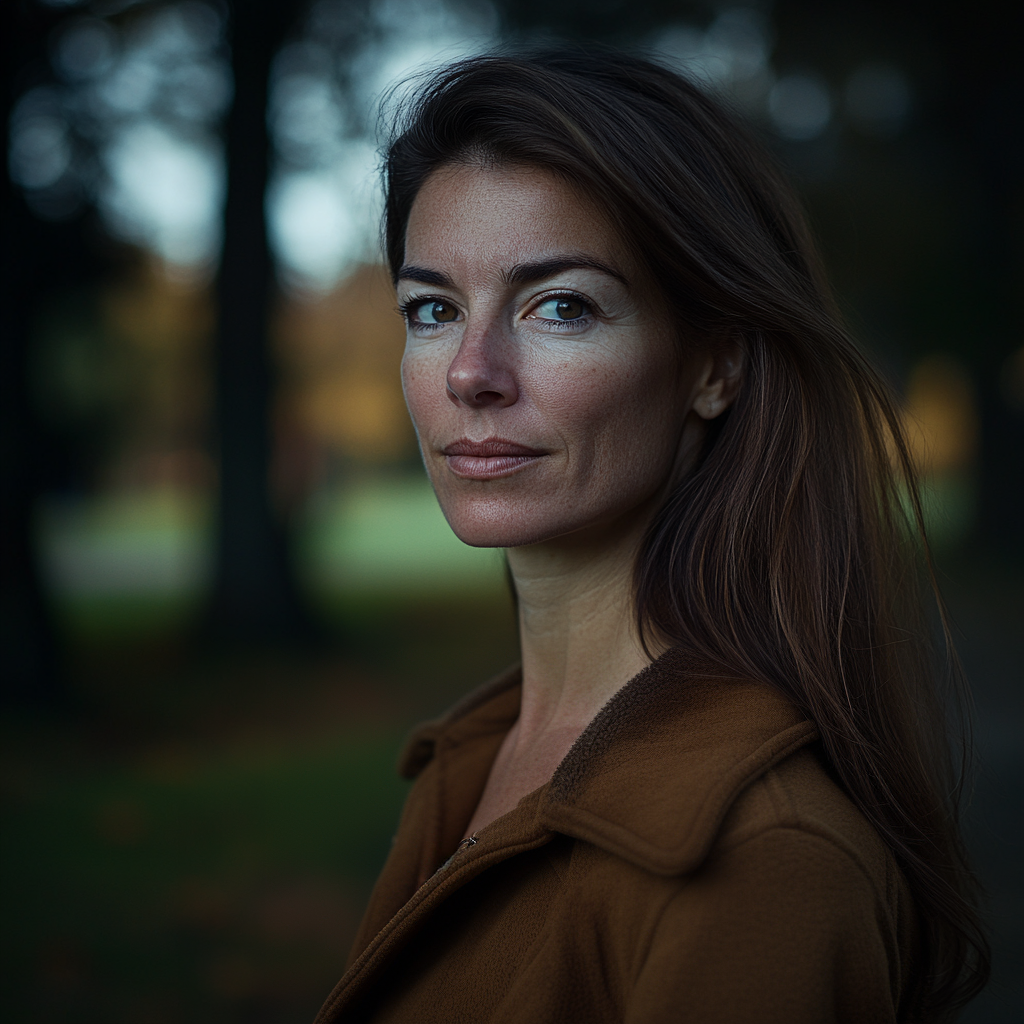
x=490, y=458
x=492, y=447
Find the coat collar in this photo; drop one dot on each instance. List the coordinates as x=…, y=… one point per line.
x=654, y=774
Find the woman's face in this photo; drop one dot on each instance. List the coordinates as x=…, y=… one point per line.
x=544, y=380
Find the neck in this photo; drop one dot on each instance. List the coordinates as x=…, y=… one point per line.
x=576, y=623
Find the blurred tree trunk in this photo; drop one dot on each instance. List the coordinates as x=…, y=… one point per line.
x=254, y=597
x=28, y=657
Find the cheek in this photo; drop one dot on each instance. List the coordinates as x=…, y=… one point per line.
x=423, y=380
x=644, y=436
x=628, y=408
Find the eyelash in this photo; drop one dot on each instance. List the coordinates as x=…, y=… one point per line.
x=406, y=310
x=565, y=325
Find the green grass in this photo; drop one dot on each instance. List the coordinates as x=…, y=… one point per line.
x=135, y=566
x=387, y=535
x=196, y=883
x=194, y=840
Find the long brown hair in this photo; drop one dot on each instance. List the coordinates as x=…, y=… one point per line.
x=793, y=553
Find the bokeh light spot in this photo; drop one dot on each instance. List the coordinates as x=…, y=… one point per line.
x=800, y=107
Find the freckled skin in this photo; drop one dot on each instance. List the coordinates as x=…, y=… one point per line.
x=608, y=399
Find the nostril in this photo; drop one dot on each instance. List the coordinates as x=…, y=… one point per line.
x=488, y=397
x=467, y=396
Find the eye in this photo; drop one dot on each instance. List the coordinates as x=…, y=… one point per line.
x=432, y=311
x=561, y=307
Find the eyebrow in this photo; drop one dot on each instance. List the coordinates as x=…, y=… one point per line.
x=527, y=273
x=424, y=276
x=521, y=273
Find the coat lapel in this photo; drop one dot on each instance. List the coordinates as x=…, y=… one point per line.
x=649, y=780
x=653, y=776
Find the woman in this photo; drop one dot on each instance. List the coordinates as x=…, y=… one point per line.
x=717, y=789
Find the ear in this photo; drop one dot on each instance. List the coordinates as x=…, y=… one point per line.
x=720, y=379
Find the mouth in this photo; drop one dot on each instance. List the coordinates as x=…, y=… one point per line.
x=488, y=459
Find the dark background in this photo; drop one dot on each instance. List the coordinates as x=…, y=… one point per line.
x=225, y=593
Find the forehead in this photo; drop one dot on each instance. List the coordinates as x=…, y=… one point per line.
x=479, y=220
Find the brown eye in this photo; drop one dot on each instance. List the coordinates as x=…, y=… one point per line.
x=442, y=312
x=435, y=312
x=562, y=308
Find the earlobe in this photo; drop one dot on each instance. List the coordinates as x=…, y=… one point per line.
x=708, y=408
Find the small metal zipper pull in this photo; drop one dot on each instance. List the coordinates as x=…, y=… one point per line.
x=464, y=845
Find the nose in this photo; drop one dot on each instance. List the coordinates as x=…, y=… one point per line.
x=480, y=374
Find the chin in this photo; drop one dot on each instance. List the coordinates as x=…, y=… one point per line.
x=487, y=523
x=515, y=522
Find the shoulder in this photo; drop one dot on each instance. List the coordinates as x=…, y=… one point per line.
x=800, y=816
x=799, y=913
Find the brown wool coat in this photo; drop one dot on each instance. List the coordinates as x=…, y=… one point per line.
x=690, y=861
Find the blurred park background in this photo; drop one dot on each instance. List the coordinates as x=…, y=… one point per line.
x=227, y=592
